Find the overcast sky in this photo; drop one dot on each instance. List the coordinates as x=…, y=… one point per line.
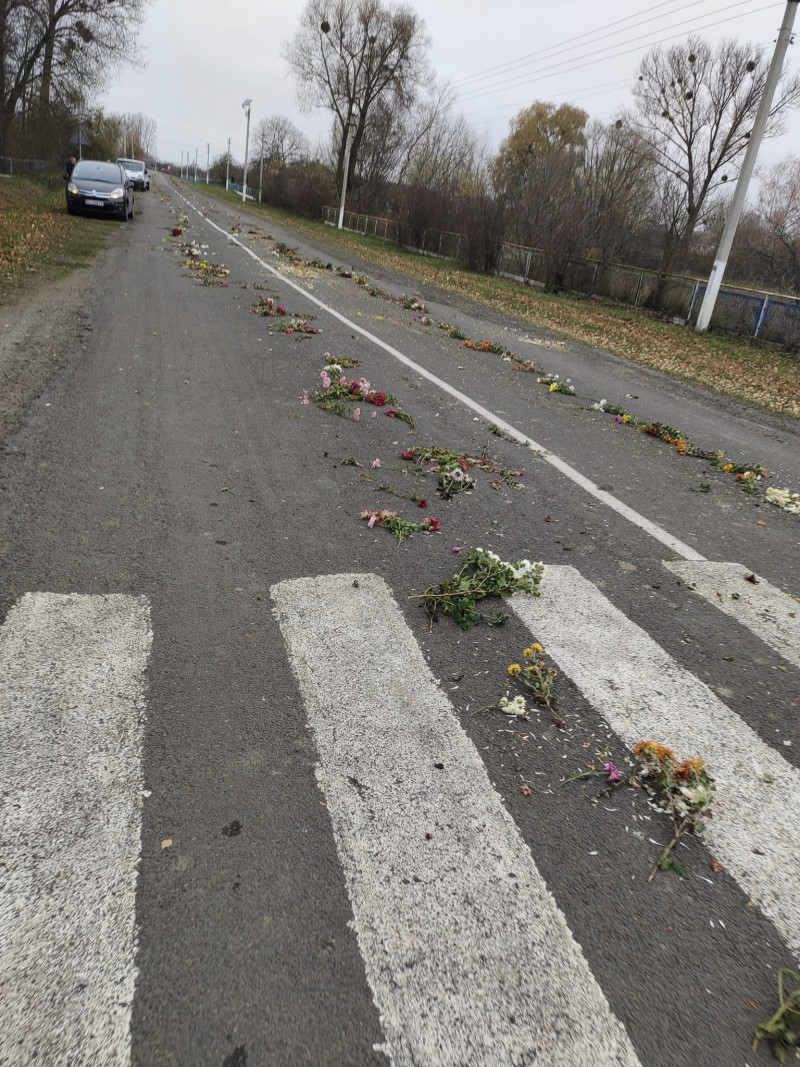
x=203, y=58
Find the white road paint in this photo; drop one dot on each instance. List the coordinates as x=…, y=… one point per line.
x=645, y=524
x=767, y=611
x=468, y=956
x=71, y=720
x=643, y=693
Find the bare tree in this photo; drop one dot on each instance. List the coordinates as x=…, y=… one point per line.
x=348, y=54
x=440, y=149
x=617, y=178
x=57, y=48
x=139, y=131
x=778, y=216
x=695, y=108
x=277, y=142
x=276, y=138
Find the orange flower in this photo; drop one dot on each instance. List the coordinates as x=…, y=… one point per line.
x=652, y=752
x=690, y=768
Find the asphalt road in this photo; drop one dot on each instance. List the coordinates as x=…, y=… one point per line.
x=252, y=812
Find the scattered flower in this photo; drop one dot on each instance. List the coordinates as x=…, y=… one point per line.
x=785, y=499
x=614, y=773
x=483, y=574
x=401, y=528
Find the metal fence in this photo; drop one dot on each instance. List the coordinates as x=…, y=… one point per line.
x=773, y=317
x=10, y=167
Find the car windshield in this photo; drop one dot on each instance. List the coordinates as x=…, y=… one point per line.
x=132, y=164
x=89, y=170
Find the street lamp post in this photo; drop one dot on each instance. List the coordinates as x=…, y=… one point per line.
x=246, y=106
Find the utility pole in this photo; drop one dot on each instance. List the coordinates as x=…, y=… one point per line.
x=345, y=169
x=228, y=165
x=246, y=105
x=261, y=167
x=208, y=157
x=181, y=163
x=195, y=166
x=749, y=162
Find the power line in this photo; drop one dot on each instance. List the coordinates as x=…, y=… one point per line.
x=576, y=96
x=593, y=58
x=567, y=46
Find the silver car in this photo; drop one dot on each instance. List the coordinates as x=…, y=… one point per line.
x=137, y=172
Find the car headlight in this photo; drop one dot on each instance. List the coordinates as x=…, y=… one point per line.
x=72, y=189
x=117, y=193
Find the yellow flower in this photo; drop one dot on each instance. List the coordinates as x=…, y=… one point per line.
x=728, y=468
x=553, y=386
x=514, y=669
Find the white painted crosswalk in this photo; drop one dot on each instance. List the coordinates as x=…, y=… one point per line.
x=643, y=693
x=72, y=674
x=449, y=906
x=765, y=610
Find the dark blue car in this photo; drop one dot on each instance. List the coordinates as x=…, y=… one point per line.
x=100, y=188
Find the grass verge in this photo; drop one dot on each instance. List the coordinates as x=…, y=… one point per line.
x=39, y=241
x=733, y=366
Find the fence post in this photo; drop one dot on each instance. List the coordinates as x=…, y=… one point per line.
x=761, y=321
x=638, y=289
x=594, y=278
x=527, y=265
x=693, y=301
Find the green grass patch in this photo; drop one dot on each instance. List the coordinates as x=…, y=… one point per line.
x=734, y=366
x=39, y=241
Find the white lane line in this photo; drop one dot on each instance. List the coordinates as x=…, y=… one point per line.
x=71, y=722
x=764, y=609
x=469, y=959
x=643, y=693
x=651, y=528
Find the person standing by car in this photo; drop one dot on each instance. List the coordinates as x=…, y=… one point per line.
x=68, y=171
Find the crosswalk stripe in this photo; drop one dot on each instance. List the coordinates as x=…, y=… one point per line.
x=449, y=908
x=71, y=722
x=643, y=693
x=764, y=609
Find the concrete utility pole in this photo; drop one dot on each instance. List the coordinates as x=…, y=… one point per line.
x=195, y=166
x=749, y=162
x=345, y=169
x=181, y=163
x=208, y=157
x=228, y=165
x=246, y=106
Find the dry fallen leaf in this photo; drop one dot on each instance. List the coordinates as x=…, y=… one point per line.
x=167, y=842
x=717, y=867
x=761, y=523
x=525, y=790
